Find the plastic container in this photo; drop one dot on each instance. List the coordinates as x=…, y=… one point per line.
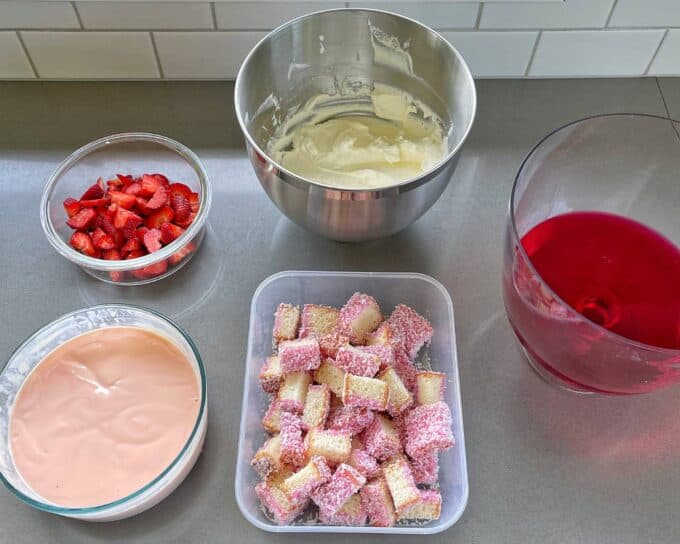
x=425, y=295
x=49, y=337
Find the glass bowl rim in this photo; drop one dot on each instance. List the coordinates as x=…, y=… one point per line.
x=519, y=248
x=69, y=511
x=125, y=265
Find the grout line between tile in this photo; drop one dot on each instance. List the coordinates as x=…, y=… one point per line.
x=214, y=15
x=156, y=55
x=665, y=105
x=533, y=54
x=479, y=15
x=656, y=52
x=28, y=56
x=611, y=12
x=80, y=20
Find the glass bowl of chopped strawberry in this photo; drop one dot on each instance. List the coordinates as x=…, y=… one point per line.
x=128, y=209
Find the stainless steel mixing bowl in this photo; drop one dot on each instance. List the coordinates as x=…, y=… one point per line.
x=330, y=50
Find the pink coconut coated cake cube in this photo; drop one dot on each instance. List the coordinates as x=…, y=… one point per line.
x=344, y=483
x=271, y=376
x=405, y=369
x=400, y=483
x=364, y=462
x=334, y=446
x=292, y=446
x=425, y=468
x=410, y=329
x=317, y=406
x=300, y=484
x=352, y=514
x=430, y=387
x=377, y=502
x=286, y=323
x=358, y=362
x=318, y=320
x=358, y=317
x=381, y=439
x=428, y=507
x=272, y=417
x=293, y=391
x=349, y=418
x=330, y=374
x=299, y=355
x=267, y=460
x=400, y=397
x=276, y=501
x=382, y=336
x=427, y=428
x=384, y=353
x=365, y=392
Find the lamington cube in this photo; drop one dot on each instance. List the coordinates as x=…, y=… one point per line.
x=377, y=501
x=399, y=398
x=318, y=320
x=400, y=483
x=382, y=336
x=273, y=497
x=286, y=323
x=292, y=446
x=344, y=483
x=293, y=391
x=364, y=462
x=358, y=317
x=381, y=439
x=352, y=419
x=357, y=361
x=351, y=514
x=299, y=485
x=430, y=387
x=317, y=406
x=334, y=446
x=271, y=376
x=425, y=468
x=427, y=428
x=410, y=329
x=370, y=393
x=298, y=355
x=330, y=374
x=267, y=460
x=272, y=417
x=385, y=354
x=428, y=507
x=404, y=367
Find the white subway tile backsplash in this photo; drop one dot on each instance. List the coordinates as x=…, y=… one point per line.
x=92, y=55
x=210, y=55
x=27, y=14
x=265, y=15
x=529, y=15
x=434, y=14
x=646, y=13
x=595, y=53
x=13, y=61
x=145, y=15
x=494, y=54
x=667, y=61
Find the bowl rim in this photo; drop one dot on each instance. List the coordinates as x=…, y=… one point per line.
x=69, y=511
x=242, y=463
x=124, y=265
x=516, y=239
x=401, y=186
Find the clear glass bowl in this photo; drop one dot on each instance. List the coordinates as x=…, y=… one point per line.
x=133, y=153
x=49, y=337
x=425, y=295
x=624, y=164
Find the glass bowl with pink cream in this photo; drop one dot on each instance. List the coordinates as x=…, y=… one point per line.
x=43, y=342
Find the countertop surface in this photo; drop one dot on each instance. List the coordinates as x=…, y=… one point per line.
x=544, y=465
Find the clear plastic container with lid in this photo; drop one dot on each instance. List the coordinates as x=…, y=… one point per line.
x=422, y=293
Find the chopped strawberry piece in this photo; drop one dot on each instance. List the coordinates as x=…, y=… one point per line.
x=153, y=270
x=123, y=200
x=170, y=232
x=149, y=185
x=104, y=222
x=158, y=199
x=102, y=240
x=111, y=210
x=131, y=245
x=162, y=179
x=93, y=192
x=81, y=241
x=180, y=189
x=195, y=202
x=157, y=218
x=114, y=185
x=116, y=275
x=184, y=224
x=111, y=255
x=127, y=180
x=80, y=220
x=152, y=240
x=181, y=207
x=133, y=189
x=119, y=238
x=72, y=206
x=136, y=254
x=140, y=232
x=95, y=202
x=126, y=218
x=182, y=253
